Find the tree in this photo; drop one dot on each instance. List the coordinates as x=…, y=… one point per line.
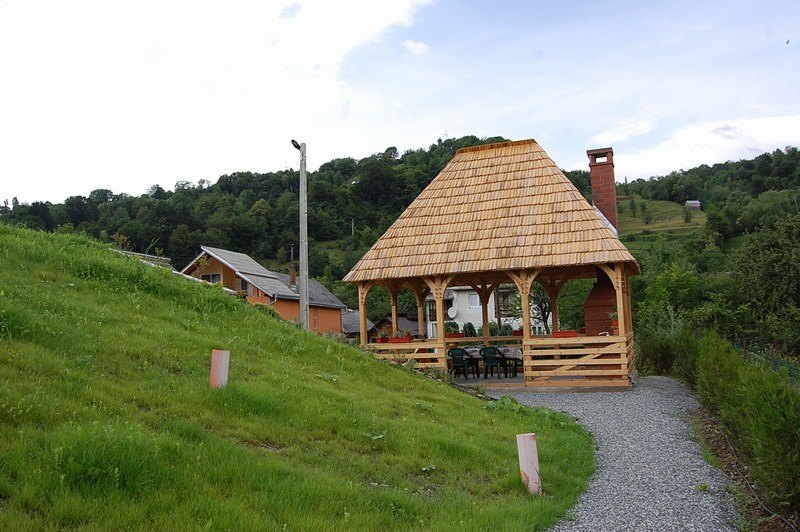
x=767, y=273
x=632, y=204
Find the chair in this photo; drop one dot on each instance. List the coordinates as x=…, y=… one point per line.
x=460, y=360
x=492, y=357
x=511, y=364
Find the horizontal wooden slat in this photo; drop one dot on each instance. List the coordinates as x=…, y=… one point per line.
x=588, y=362
x=567, y=383
x=578, y=372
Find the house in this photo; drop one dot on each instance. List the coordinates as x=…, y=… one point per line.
x=350, y=323
x=502, y=214
x=692, y=204
x=463, y=305
x=239, y=272
x=386, y=327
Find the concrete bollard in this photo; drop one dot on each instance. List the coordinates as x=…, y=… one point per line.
x=529, y=462
x=219, y=368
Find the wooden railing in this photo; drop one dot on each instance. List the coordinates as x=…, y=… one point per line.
x=547, y=362
x=426, y=353
x=578, y=361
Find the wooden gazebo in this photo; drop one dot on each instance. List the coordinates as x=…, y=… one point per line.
x=505, y=213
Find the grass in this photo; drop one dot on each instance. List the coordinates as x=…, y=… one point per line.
x=107, y=420
x=666, y=217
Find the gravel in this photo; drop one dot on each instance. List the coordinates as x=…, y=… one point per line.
x=650, y=472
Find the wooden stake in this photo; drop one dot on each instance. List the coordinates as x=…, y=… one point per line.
x=219, y=368
x=529, y=462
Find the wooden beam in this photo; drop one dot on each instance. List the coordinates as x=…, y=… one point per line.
x=438, y=285
x=420, y=293
x=393, y=288
x=363, y=291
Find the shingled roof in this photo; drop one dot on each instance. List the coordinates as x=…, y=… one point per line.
x=272, y=283
x=504, y=206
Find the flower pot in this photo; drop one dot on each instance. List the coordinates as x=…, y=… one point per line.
x=614, y=322
x=454, y=335
x=400, y=340
x=381, y=339
x=565, y=334
x=516, y=333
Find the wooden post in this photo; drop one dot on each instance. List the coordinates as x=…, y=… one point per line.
x=529, y=462
x=393, y=291
x=220, y=360
x=524, y=281
x=420, y=293
x=484, y=291
x=438, y=286
x=363, y=291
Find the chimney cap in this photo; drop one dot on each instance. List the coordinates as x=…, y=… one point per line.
x=600, y=151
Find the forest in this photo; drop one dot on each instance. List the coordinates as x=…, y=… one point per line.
x=738, y=273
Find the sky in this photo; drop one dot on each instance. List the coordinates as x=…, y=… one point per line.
x=126, y=95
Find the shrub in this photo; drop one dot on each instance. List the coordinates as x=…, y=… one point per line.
x=469, y=329
x=760, y=408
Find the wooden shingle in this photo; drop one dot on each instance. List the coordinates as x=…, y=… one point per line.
x=497, y=207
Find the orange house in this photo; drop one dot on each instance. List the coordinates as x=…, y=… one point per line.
x=242, y=274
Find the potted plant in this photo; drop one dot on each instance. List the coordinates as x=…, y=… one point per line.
x=614, y=319
x=517, y=332
x=451, y=330
x=383, y=336
x=400, y=337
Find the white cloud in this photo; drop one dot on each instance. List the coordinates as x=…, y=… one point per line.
x=709, y=143
x=622, y=132
x=122, y=96
x=416, y=47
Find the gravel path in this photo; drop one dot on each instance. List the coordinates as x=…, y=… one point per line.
x=650, y=473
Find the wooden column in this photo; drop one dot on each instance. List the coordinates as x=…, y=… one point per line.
x=616, y=275
x=484, y=291
x=420, y=293
x=438, y=285
x=553, y=288
x=393, y=289
x=363, y=291
x=524, y=280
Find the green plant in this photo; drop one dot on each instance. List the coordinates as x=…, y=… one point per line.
x=469, y=330
x=760, y=409
x=400, y=333
x=451, y=327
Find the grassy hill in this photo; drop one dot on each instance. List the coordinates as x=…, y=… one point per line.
x=107, y=420
x=666, y=219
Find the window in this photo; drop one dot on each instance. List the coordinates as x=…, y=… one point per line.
x=474, y=301
x=245, y=284
x=212, y=278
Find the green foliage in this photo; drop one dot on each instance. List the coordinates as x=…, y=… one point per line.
x=107, y=421
x=451, y=327
x=760, y=409
x=469, y=330
x=767, y=272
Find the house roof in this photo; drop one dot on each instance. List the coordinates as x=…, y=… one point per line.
x=403, y=324
x=318, y=295
x=350, y=322
x=504, y=206
x=274, y=284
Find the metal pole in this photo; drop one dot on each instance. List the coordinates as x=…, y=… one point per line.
x=303, y=285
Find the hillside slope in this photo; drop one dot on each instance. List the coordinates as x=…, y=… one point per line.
x=107, y=420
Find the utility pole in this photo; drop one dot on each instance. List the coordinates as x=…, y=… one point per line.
x=303, y=281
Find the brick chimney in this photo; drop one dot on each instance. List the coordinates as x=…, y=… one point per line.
x=604, y=189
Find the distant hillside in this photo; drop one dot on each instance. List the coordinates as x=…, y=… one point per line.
x=107, y=420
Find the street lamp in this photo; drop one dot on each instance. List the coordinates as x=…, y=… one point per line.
x=303, y=281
